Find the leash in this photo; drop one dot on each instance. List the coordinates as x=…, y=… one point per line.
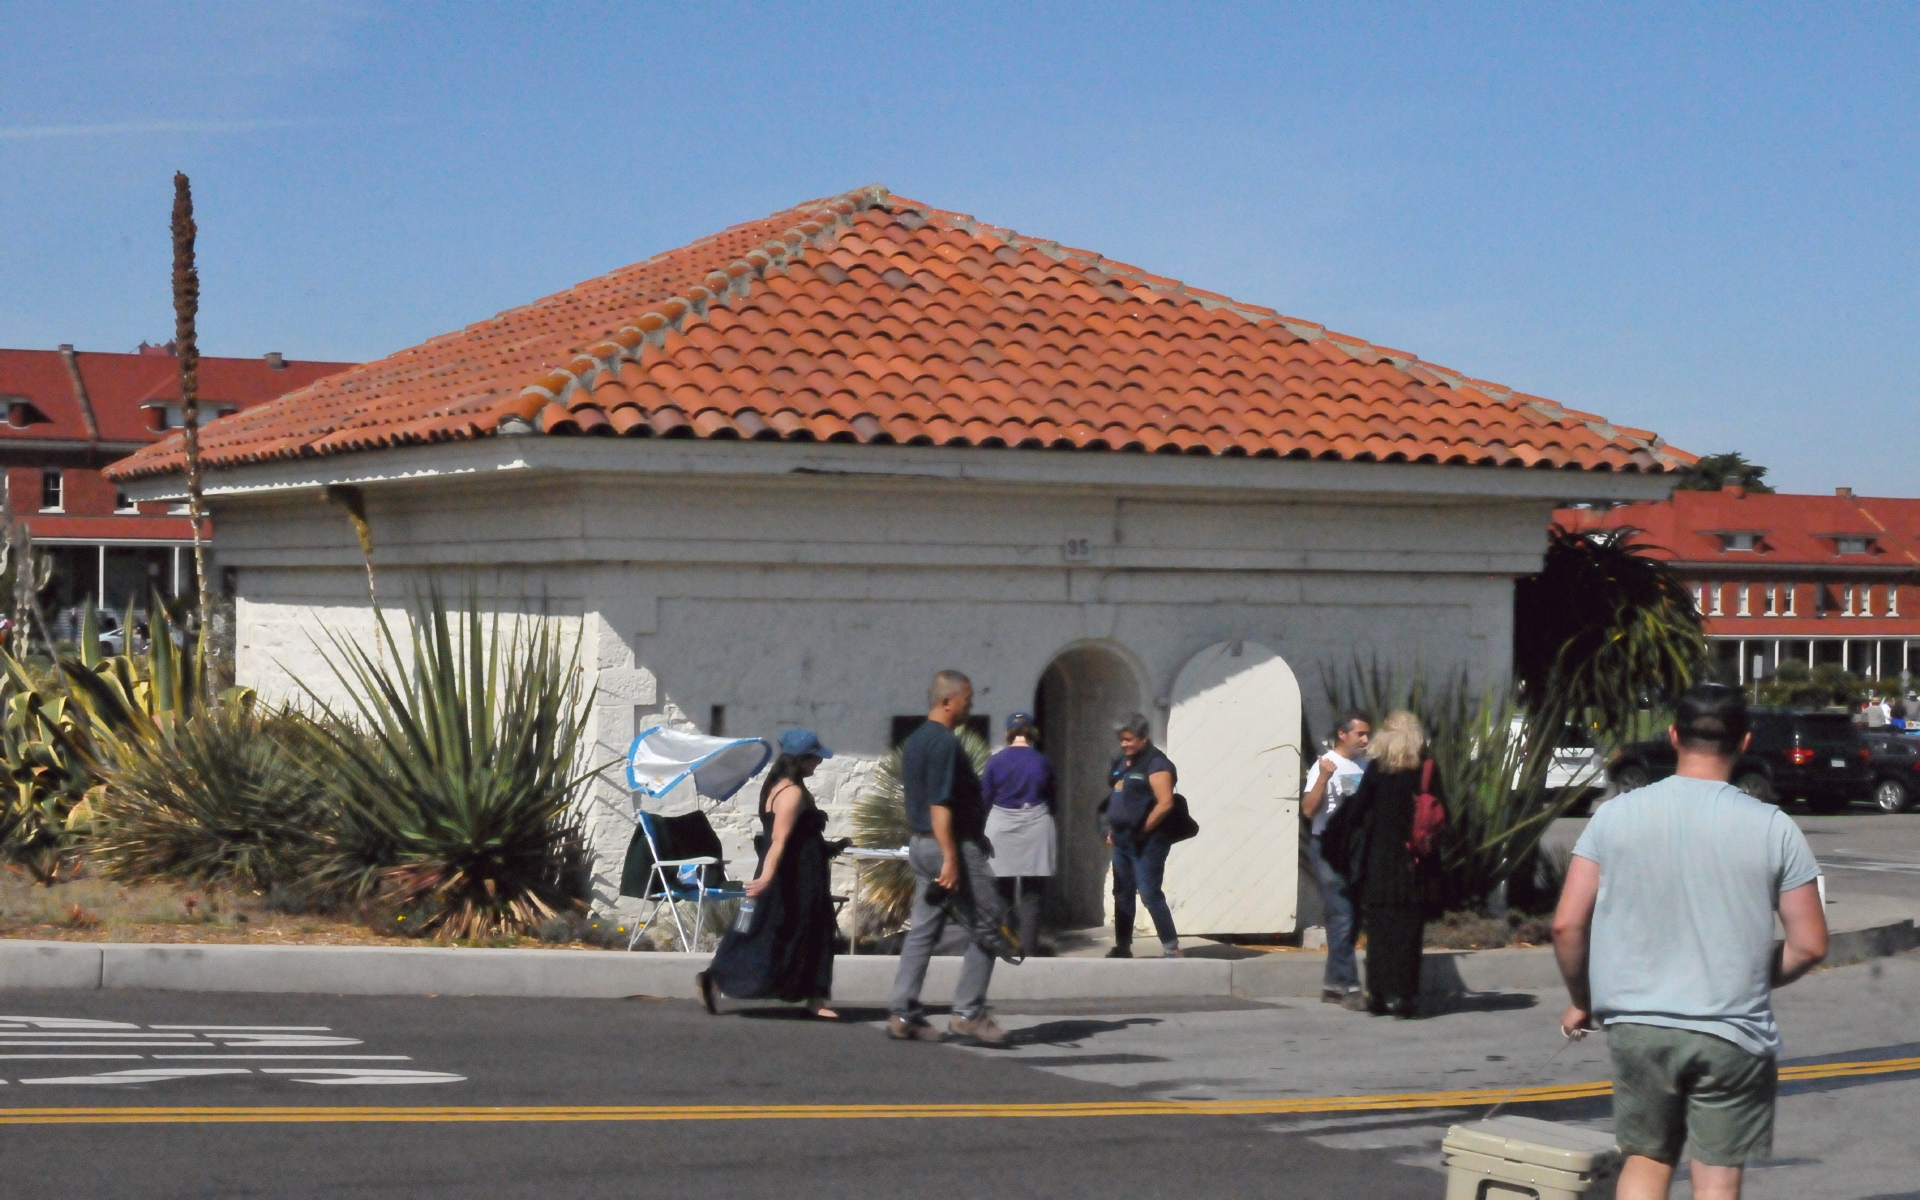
x=1567, y=1039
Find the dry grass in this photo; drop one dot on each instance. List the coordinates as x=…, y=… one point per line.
x=1470, y=931
x=90, y=909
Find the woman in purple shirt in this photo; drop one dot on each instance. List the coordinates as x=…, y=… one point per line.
x=1018, y=789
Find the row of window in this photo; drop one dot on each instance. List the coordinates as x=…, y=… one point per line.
x=53, y=494
x=1784, y=600
x=1842, y=543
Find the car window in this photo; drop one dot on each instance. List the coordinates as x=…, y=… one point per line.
x=1826, y=728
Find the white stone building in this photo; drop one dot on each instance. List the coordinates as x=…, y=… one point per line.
x=862, y=440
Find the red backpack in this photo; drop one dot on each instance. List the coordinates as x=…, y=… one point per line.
x=1429, y=818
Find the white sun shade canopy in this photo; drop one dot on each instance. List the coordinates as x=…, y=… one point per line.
x=662, y=759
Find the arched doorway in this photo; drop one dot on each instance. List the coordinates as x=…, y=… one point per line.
x=1084, y=690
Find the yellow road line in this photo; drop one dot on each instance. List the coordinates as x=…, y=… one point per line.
x=869, y=1112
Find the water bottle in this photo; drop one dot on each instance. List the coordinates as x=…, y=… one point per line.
x=744, y=921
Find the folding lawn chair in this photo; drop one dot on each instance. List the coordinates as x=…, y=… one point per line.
x=672, y=881
x=660, y=761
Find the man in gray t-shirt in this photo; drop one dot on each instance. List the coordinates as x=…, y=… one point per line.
x=1665, y=933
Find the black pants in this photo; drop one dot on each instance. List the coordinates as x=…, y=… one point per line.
x=1394, y=933
x=1026, y=908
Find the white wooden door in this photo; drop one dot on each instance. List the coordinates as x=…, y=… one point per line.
x=1234, y=736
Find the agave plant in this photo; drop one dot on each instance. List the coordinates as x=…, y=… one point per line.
x=880, y=823
x=452, y=770
x=221, y=794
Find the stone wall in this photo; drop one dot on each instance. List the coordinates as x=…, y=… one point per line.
x=828, y=603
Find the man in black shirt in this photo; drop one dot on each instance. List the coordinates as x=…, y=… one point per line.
x=948, y=819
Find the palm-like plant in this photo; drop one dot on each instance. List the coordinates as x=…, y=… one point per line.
x=452, y=770
x=880, y=823
x=222, y=794
x=1603, y=631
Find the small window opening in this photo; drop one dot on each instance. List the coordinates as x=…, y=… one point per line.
x=1740, y=541
x=717, y=720
x=1853, y=545
x=53, y=491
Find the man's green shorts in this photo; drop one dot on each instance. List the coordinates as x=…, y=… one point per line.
x=1677, y=1089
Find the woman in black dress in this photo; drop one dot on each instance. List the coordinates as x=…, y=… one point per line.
x=1395, y=893
x=782, y=946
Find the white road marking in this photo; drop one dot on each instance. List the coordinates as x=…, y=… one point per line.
x=364, y=1075
x=69, y=1038
x=355, y=1057
x=256, y=1028
x=99, y=1044
x=143, y=1075
x=132, y=1056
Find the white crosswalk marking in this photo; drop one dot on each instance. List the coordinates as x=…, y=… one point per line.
x=306, y=1049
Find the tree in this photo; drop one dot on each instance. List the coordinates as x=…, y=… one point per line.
x=1715, y=471
x=1602, y=631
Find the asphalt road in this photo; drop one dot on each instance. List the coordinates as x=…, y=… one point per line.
x=1848, y=1135
x=486, y=1052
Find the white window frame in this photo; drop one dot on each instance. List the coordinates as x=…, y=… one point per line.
x=59, y=480
x=1746, y=604
x=1793, y=591
x=1893, y=599
x=1848, y=594
x=1773, y=600
x=1866, y=601
x=1714, y=590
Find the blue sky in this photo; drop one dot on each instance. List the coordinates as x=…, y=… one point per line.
x=1700, y=220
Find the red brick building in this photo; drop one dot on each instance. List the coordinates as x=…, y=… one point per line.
x=1821, y=579
x=70, y=413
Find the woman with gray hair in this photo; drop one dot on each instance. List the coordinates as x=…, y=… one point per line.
x=1136, y=811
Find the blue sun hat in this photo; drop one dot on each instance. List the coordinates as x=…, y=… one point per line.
x=797, y=743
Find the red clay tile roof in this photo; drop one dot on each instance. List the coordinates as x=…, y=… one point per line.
x=874, y=319
x=1793, y=530
x=120, y=385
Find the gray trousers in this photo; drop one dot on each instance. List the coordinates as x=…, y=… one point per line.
x=930, y=921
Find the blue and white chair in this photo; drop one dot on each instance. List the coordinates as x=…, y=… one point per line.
x=660, y=761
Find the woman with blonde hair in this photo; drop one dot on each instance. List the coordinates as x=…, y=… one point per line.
x=1394, y=882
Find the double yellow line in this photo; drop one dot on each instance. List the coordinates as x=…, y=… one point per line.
x=873, y=1112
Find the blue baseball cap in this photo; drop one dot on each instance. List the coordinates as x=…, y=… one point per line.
x=1021, y=718
x=797, y=743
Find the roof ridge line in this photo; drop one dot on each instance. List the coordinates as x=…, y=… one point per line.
x=518, y=414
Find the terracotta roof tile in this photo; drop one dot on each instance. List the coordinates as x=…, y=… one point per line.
x=870, y=318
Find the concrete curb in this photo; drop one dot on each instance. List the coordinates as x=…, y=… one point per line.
x=866, y=979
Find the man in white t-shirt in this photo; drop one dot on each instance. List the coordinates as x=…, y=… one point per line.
x=1332, y=779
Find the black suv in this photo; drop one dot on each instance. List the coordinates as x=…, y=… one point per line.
x=1895, y=760
x=1813, y=756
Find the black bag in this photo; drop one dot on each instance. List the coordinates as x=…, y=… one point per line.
x=1180, y=825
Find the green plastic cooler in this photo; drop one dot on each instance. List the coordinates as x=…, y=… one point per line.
x=1519, y=1158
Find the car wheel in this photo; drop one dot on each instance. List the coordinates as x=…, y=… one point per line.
x=1754, y=784
x=1890, y=796
x=1632, y=778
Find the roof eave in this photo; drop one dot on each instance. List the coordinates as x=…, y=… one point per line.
x=691, y=458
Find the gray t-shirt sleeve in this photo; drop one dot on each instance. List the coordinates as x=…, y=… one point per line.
x=1798, y=867
x=1588, y=845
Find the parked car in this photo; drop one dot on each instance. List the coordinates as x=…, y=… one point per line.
x=1895, y=762
x=1814, y=756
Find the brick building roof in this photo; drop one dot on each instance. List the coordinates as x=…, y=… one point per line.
x=870, y=318
x=45, y=403
x=1805, y=542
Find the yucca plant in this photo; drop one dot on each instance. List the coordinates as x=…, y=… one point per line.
x=1493, y=756
x=219, y=795
x=453, y=769
x=880, y=823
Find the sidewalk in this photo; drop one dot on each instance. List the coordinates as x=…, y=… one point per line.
x=866, y=979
